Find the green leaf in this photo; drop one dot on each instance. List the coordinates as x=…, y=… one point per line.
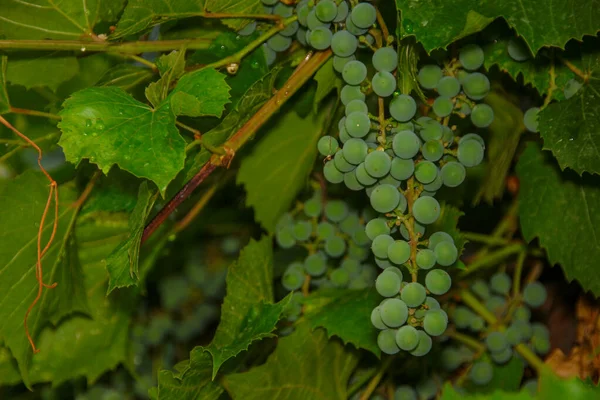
x=501, y=144
x=4, y=101
x=505, y=377
x=437, y=23
x=346, y=314
x=125, y=76
x=279, y=165
x=551, y=387
x=109, y=127
x=91, y=69
x=555, y=206
x=46, y=19
x=200, y=93
x=448, y=222
x=571, y=129
x=140, y=15
x=450, y=393
x=171, y=68
x=305, y=365
x=408, y=58
x=22, y=202
x=327, y=80
x=36, y=69
x=123, y=263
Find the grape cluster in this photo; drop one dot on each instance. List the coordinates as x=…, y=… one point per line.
x=499, y=342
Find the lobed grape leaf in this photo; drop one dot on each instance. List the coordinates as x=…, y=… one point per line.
x=91, y=69
x=9, y=373
x=46, y=19
x=200, y=93
x=22, y=203
x=408, y=58
x=501, y=144
x=125, y=76
x=171, y=67
x=280, y=164
x=305, y=365
x=346, y=314
x=327, y=80
x=140, y=15
x=437, y=23
x=35, y=69
x=555, y=205
x=123, y=263
x=4, y=101
x=552, y=387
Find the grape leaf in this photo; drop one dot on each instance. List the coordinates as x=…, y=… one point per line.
x=9, y=373
x=555, y=205
x=305, y=365
x=437, y=23
x=140, y=15
x=199, y=93
x=91, y=69
x=4, y=101
x=123, y=263
x=346, y=314
x=505, y=377
x=280, y=164
x=327, y=80
x=551, y=387
x=193, y=382
x=571, y=128
x=501, y=143
x=171, y=68
x=125, y=76
x=108, y=126
x=48, y=19
x=37, y=69
x=22, y=203
x=408, y=58
x=450, y=393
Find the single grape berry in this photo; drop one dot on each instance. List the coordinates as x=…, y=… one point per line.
x=571, y=87
x=315, y=264
x=481, y=289
x=394, y=312
x=376, y=227
x=388, y=284
x=356, y=106
x=313, y=207
x=354, y=72
x=383, y=83
x=340, y=278
x=403, y=108
x=482, y=115
x=352, y=182
x=326, y=10
x=385, y=59
x=481, y=373
x=446, y=253
x=302, y=230
x=435, y=322
x=292, y=278
x=448, y=86
x=357, y=124
x=496, y=342
x=470, y=153
x=380, y=246
x=424, y=345
x=476, y=86
x=425, y=258
x=399, y=252
x=471, y=57
x=502, y=357
x=407, y=338
x=376, y=319
x=518, y=50
x=426, y=172
x=406, y=144
x=363, y=15
x=443, y=106
x=332, y=173
x=386, y=340
x=429, y=76
x=438, y=281
x=413, y=294
x=336, y=210
x=327, y=145
x=344, y=44
x=350, y=93
x=432, y=150
x=432, y=303
x=402, y=169
x=335, y=246
x=453, y=174
x=385, y=198
x=438, y=237
x=530, y=119
x=355, y=151
x=342, y=12
x=500, y=283
x=279, y=43
x=426, y=210
x=534, y=294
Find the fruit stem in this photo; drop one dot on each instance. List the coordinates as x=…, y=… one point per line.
x=533, y=360
x=384, y=29
x=469, y=299
x=575, y=70
x=135, y=47
x=376, y=379
x=493, y=258
x=198, y=207
x=517, y=274
x=466, y=339
x=34, y=113
x=487, y=239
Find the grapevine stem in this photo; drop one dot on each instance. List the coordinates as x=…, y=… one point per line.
x=552, y=85
x=466, y=339
x=381, y=118
x=361, y=381
x=376, y=379
x=469, y=299
x=139, y=59
x=198, y=207
x=34, y=113
x=135, y=47
x=384, y=29
x=575, y=70
x=487, y=239
x=493, y=258
x=517, y=274
x=531, y=357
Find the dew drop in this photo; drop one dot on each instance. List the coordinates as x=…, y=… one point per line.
x=100, y=125
x=82, y=49
x=127, y=157
x=88, y=123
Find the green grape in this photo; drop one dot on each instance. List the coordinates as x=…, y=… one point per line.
x=429, y=76
x=540, y=330
x=438, y=281
x=443, y=106
x=332, y=173
x=291, y=30
x=448, y=86
x=315, y=264
x=513, y=335
x=502, y=357
x=540, y=345
x=462, y=317
x=432, y=150
x=378, y=164
x=424, y=345
x=399, y=252
x=470, y=153
x=357, y=124
x=248, y=29
x=269, y=2
x=472, y=136
x=390, y=180
x=402, y=204
x=431, y=130
x=352, y=182
x=383, y=83
x=496, y=342
x=394, y=312
x=342, y=12
x=327, y=145
x=359, y=282
x=339, y=62
x=385, y=198
x=320, y=38
x=360, y=237
x=453, y=174
x=430, y=188
x=270, y=55
x=481, y=373
x=385, y=59
x=413, y=294
x=438, y=237
x=363, y=15
x=407, y=338
x=376, y=319
x=302, y=11
x=353, y=29
x=450, y=359
x=403, y=108
x=477, y=324
x=325, y=230
x=357, y=106
x=376, y=227
x=417, y=228
x=292, y=278
x=522, y=313
x=335, y=246
x=355, y=150
x=350, y=93
x=482, y=115
x=313, y=207
x=358, y=253
x=464, y=108
x=283, y=10
x=530, y=119
x=435, y=322
x=426, y=172
x=383, y=263
x=279, y=43
x=406, y=144
x=534, y=294
x=500, y=283
x=571, y=87
x=343, y=134
x=432, y=303
x=447, y=135
x=313, y=22
x=284, y=221
x=402, y=169
x=395, y=270
x=427, y=388
x=336, y=210
x=426, y=210
x=524, y=328
x=495, y=303
x=471, y=57
x=531, y=386
x=326, y=10
x=425, y=258
x=344, y=44
x=481, y=289
x=446, y=253
x=388, y=284
x=352, y=266
x=285, y=238
x=386, y=340
x=340, y=278
x=405, y=392
x=476, y=86
x=354, y=72
x=518, y=50
x=380, y=246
